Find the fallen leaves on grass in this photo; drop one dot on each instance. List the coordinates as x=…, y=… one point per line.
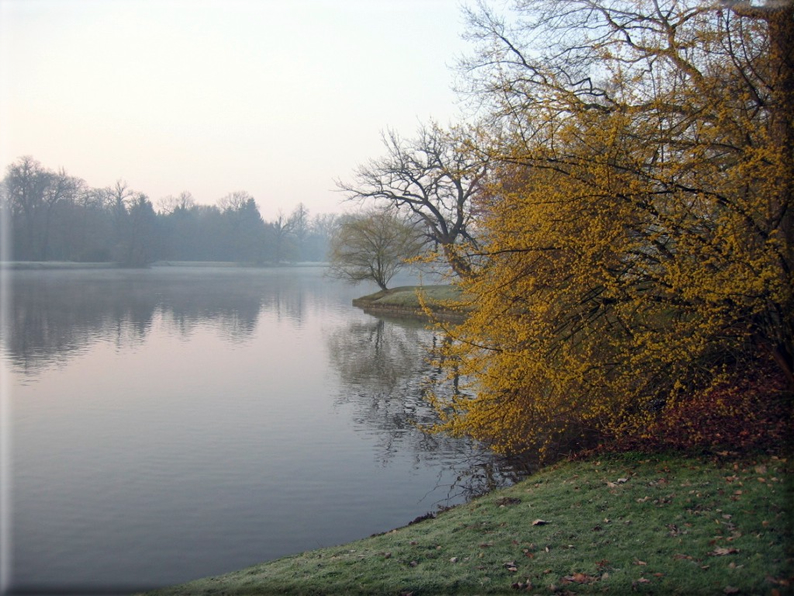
x=721, y=552
x=558, y=590
x=526, y=586
x=539, y=522
x=579, y=578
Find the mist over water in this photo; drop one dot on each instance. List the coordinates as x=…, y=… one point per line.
x=169, y=424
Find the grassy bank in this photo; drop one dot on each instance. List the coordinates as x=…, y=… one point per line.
x=445, y=301
x=620, y=524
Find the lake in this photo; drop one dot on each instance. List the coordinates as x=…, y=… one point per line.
x=167, y=424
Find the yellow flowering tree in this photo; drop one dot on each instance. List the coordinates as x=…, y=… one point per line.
x=638, y=233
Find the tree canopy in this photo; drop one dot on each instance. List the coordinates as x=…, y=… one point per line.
x=54, y=216
x=637, y=230
x=373, y=245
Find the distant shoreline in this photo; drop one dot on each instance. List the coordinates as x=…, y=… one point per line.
x=52, y=265
x=69, y=265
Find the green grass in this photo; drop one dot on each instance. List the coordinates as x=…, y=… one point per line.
x=406, y=300
x=621, y=524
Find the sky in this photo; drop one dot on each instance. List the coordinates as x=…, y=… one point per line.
x=278, y=98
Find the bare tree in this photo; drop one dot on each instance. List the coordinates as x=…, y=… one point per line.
x=435, y=177
x=299, y=218
x=119, y=198
x=33, y=192
x=282, y=227
x=25, y=183
x=170, y=204
x=62, y=187
x=234, y=201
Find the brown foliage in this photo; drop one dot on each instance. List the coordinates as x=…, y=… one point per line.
x=753, y=410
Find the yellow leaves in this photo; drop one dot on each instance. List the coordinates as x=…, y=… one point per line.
x=636, y=249
x=596, y=304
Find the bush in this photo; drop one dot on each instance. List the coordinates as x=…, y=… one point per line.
x=753, y=411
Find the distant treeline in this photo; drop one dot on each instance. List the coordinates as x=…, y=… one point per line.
x=56, y=217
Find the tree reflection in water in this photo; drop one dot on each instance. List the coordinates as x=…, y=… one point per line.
x=57, y=314
x=382, y=364
x=385, y=366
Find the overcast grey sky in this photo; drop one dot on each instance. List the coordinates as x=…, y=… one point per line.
x=275, y=97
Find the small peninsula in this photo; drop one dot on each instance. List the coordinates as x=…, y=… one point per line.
x=445, y=302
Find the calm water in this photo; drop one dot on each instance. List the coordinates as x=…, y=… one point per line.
x=170, y=424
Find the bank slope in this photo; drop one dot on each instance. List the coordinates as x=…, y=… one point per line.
x=662, y=524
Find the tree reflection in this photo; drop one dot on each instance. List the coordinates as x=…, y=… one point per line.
x=232, y=303
x=384, y=367
x=54, y=315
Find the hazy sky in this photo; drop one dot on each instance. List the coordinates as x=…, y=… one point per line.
x=275, y=97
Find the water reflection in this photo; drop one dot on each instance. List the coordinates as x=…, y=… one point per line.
x=382, y=363
x=385, y=367
x=382, y=367
x=58, y=314
x=199, y=421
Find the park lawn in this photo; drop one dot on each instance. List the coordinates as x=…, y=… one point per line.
x=616, y=524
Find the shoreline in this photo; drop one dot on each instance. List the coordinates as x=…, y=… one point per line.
x=73, y=265
x=616, y=523
x=445, y=302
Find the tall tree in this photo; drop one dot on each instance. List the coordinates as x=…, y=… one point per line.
x=282, y=248
x=91, y=227
x=299, y=219
x=25, y=184
x=322, y=228
x=138, y=241
x=171, y=204
x=62, y=188
x=638, y=234
x=34, y=192
x=119, y=199
x=245, y=227
x=435, y=177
